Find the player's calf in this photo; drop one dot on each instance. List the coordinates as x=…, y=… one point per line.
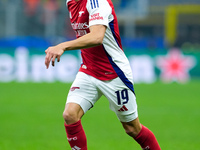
x=132, y=128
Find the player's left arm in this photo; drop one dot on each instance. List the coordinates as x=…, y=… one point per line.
x=92, y=39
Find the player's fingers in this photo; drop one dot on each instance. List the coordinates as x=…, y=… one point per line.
x=58, y=59
x=47, y=60
x=53, y=60
x=46, y=63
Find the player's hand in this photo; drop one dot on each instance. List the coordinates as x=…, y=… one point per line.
x=52, y=53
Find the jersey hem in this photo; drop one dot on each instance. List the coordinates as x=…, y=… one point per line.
x=98, y=77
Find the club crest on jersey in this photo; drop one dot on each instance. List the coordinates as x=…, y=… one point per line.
x=80, y=13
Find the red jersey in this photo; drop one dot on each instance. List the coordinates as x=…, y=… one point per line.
x=107, y=61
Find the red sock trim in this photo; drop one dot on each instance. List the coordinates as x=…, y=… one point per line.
x=73, y=128
x=139, y=138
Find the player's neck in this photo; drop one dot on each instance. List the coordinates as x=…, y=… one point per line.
x=76, y=0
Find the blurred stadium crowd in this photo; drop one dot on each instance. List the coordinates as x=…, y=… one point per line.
x=143, y=23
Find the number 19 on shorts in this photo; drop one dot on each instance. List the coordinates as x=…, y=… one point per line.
x=122, y=96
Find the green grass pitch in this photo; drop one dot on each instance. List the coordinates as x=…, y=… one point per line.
x=31, y=117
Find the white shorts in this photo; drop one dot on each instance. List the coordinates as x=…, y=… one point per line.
x=86, y=90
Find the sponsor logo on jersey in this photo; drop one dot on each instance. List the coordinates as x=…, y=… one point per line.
x=74, y=88
x=80, y=26
x=95, y=17
x=76, y=148
x=80, y=32
x=123, y=108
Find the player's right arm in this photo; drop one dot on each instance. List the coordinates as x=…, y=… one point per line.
x=92, y=39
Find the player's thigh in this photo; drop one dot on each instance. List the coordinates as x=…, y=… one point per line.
x=83, y=92
x=122, y=100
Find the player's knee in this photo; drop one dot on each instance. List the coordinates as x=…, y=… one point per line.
x=70, y=117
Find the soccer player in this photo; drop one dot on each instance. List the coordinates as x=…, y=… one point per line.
x=105, y=71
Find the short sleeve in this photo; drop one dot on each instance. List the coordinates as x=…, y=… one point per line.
x=99, y=12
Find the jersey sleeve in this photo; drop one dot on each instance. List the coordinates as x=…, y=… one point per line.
x=100, y=12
